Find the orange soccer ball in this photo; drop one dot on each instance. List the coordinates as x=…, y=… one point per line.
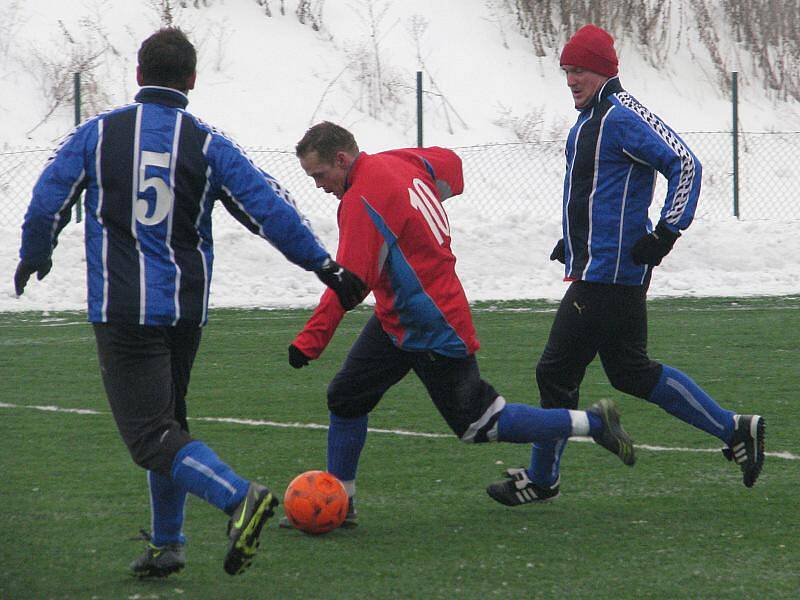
x=315, y=502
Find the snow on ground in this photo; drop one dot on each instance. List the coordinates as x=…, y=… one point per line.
x=500, y=259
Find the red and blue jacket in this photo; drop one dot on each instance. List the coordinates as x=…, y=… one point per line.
x=394, y=234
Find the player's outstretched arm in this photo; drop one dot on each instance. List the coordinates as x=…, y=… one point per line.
x=262, y=205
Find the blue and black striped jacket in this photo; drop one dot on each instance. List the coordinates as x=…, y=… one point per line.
x=614, y=153
x=152, y=172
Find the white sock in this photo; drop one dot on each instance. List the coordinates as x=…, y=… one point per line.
x=580, y=422
x=350, y=487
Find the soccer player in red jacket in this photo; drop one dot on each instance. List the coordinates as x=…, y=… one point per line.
x=394, y=234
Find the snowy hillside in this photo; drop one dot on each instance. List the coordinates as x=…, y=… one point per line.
x=265, y=79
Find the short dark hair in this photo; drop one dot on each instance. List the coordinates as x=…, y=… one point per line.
x=167, y=58
x=327, y=139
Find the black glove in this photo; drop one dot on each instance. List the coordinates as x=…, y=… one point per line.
x=558, y=252
x=296, y=358
x=350, y=289
x=651, y=248
x=24, y=271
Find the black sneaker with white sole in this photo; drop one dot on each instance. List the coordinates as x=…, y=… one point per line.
x=518, y=489
x=746, y=447
x=613, y=437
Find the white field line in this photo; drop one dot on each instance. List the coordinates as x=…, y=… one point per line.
x=401, y=432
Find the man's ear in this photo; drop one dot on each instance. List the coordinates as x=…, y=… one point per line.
x=139, y=79
x=343, y=160
x=191, y=81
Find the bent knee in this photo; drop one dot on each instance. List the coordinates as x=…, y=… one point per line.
x=349, y=403
x=555, y=391
x=155, y=450
x=345, y=406
x=635, y=383
x=343, y=411
x=338, y=401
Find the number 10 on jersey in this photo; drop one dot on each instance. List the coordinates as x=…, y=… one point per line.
x=425, y=201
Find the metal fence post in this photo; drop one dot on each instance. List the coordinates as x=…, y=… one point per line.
x=77, y=86
x=735, y=133
x=419, y=109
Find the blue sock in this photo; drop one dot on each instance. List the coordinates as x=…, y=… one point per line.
x=523, y=424
x=546, y=461
x=681, y=397
x=167, y=501
x=595, y=424
x=548, y=429
x=197, y=469
x=346, y=438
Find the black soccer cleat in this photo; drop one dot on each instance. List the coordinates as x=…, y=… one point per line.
x=746, y=447
x=613, y=437
x=518, y=489
x=245, y=525
x=159, y=561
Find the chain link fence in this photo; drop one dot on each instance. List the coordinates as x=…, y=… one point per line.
x=506, y=179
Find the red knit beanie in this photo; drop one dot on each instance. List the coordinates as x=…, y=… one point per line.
x=591, y=48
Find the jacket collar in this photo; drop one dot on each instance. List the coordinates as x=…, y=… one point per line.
x=162, y=95
x=610, y=87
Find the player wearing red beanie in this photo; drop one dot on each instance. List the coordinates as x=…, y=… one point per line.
x=610, y=248
x=591, y=48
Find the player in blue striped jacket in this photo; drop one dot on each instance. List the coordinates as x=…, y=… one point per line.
x=614, y=153
x=151, y=173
